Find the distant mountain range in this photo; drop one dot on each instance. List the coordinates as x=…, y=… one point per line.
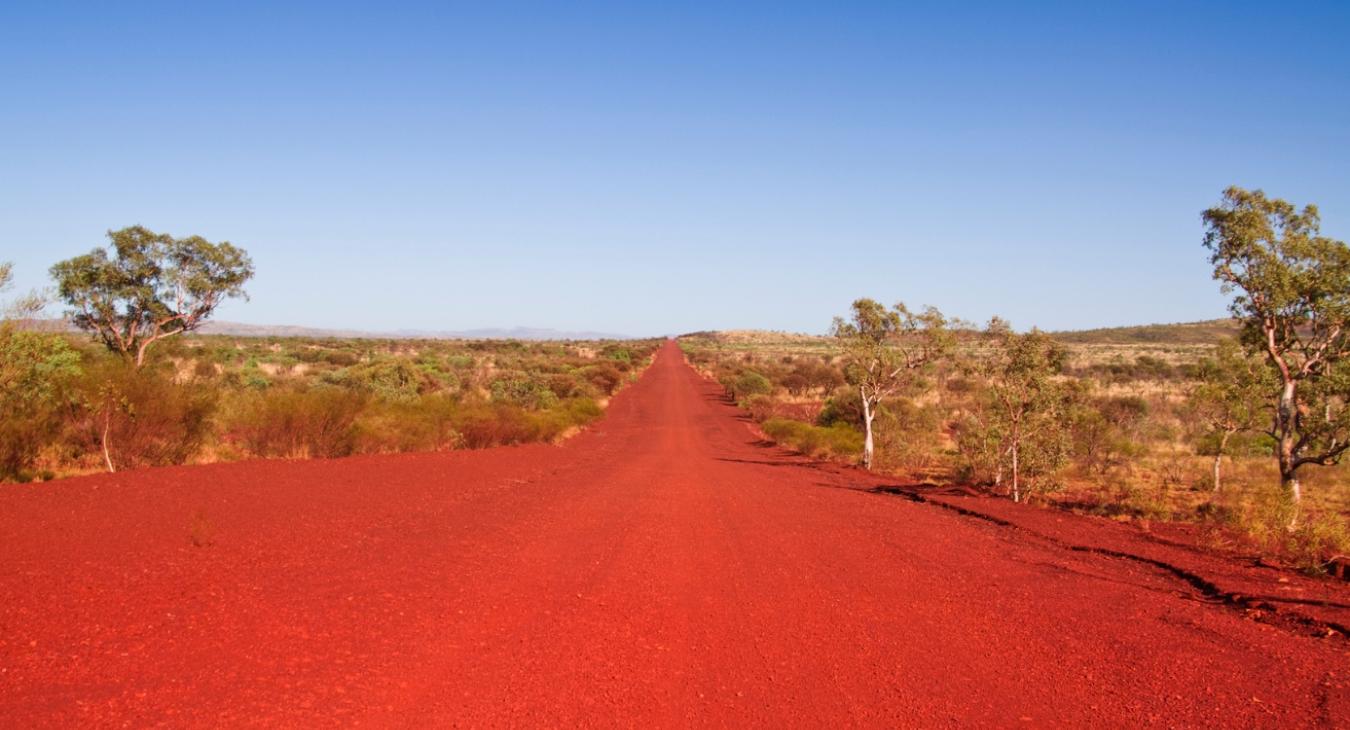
x=1208, y=332
x=241, y=329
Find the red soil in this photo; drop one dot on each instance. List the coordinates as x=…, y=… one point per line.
x=663, y=568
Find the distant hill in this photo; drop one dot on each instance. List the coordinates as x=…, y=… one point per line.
x=1208, y=332
x=241, y=329
x=1186, y=333
x=754, y=336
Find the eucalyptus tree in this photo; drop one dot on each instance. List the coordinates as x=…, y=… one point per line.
x=885, y=352
x=1026, y=406
x=151, y=286
x=1291, y=288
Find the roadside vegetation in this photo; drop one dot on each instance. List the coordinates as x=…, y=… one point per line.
x=143, y=389
x=201, y=399
x=1237, y=426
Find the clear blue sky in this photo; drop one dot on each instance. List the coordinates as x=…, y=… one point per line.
x=674, y=166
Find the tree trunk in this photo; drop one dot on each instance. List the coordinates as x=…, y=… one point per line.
x=867, y=430
x=1286, y=456
x=107, y=457
x=1016, y=486
x=1295, y=492
x=1218, y=457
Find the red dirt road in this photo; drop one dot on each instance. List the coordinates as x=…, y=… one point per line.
x=661, y=569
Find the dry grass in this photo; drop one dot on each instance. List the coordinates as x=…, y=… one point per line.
x=1158, y=475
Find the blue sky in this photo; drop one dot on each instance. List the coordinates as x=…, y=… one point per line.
x=660, y=168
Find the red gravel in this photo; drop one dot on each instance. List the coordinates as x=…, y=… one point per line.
x=663, y=568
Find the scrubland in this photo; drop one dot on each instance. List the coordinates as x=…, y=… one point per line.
x=1136, y=449
x=72, y=407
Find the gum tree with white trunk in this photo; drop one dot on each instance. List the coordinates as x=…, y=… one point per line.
x=885, y=352
x=1291, y=288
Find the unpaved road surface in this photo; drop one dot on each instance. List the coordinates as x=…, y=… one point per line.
x=663, y=568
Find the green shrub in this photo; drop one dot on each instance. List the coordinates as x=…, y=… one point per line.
x=36, y=373
x=313, y=422
x=836, y=440
x=150, y=419
x=519, y=389
x=424, y=424
x=750, y=383
x=842, y=408
x=393, y=380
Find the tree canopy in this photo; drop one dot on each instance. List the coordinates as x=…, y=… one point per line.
x=149, y=286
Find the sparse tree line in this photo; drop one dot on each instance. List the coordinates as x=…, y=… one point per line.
x=1011, y=411
x=137, y=393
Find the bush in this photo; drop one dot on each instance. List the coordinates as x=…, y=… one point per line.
x=519, y=389
x=564, y=385
x=750, y=383
x=836, y=440
x=482, y=425
x=150, y=419
x=843, y=408
x=313, y=422
x=424, y=424
x=908, y=436
x=393, y=380
x=36, y=371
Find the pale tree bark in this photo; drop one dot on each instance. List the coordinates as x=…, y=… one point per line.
x=1285, y=414
x=868, y=444
x=107, y=456
x=1218, y=457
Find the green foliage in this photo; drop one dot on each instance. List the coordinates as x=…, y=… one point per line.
x=1233, y=397
x=423, y=423
x=36, y=372
x=618, y=353
x=1240, y=444
x=908, y=435
x=520, y=389
x=836, y=440
x=844, y=406
x=153, y=286
x=885, y=352
x=1021, y=424
x=1291, y=294
x=296, y=422
x=750, y=383
x=392, y=380
x=150, y=418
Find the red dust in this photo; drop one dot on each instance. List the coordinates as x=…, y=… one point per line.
x=664, y=568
